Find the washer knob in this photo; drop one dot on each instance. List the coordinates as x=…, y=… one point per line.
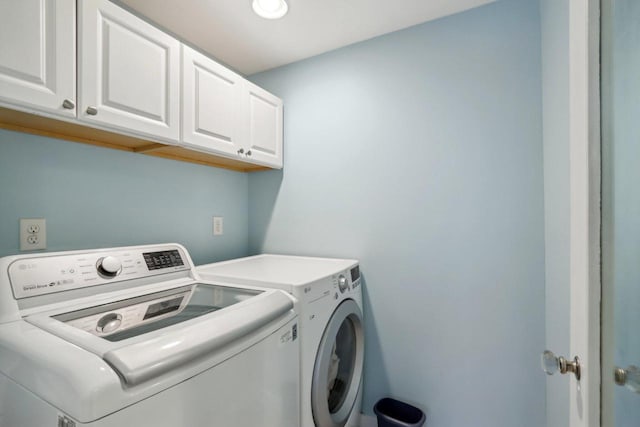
x=109, y=323
x=109, y=266
x=343, y=284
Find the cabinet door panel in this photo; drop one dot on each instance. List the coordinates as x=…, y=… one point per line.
x=129, y=72
x=143, y=99
x=211, y=104
x=37, y=54
x=265, y=126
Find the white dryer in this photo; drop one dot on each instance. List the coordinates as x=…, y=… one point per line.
x=133, y=337
x=329, y=294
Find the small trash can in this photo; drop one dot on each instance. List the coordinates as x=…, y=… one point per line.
x=393, y=413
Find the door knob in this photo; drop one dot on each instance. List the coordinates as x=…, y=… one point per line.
x=552, y=364
x=92, y=111
x=630, y=378
x=240, y=151
x=68, y=104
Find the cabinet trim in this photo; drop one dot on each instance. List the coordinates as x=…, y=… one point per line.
x=19, y=121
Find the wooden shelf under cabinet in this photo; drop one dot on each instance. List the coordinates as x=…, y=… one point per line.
x=44, y=126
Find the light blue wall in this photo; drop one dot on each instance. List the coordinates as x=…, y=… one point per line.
x=555, y=118
x=96, y=197
x=420, y=153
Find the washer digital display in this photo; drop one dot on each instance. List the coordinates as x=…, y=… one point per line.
x=163, y=259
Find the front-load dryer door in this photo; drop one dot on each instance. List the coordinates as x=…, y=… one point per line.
x=337, y=372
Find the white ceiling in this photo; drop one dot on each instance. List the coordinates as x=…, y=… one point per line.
x=232, y=33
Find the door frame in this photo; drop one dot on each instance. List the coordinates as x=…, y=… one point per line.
x=585, y=177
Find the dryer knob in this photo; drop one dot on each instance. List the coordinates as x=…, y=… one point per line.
x=109, y=266
x=343, y=284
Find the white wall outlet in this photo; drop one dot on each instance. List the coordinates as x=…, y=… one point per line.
x=33, y=234
x=218, y=226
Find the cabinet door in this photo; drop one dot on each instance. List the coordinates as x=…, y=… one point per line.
x=37, y=55
x=129, y=72
x=264, y=127
x=211, y=102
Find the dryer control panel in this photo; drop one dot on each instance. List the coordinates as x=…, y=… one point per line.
x=33, y=276
x=336, y=287
x=347, y=280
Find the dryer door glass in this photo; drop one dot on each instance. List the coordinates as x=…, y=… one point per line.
x=343, y=357
x=338, y=367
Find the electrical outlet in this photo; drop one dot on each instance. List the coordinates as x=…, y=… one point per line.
x=33, y=234
x=218, y=226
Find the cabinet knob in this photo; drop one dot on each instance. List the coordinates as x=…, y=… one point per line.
x=248, y=152
x=92, y=111
x=240, y=151
x=68, y=104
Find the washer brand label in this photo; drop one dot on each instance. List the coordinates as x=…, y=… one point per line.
x=31, y=287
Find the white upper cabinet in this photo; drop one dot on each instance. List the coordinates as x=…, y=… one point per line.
x=129, y=75
x=38, y=55
x=223, y=113
x=211, y=105
x=264, y=126
x=132, y=79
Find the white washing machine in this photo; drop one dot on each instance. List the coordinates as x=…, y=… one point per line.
x=133, y=337
x=329, y=294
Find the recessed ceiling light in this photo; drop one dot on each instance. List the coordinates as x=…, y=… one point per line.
x=270, y=9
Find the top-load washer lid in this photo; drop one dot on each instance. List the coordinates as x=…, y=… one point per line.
x=139, y=315
x=149, y=335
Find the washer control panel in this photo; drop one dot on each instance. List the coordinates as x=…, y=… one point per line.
x=55, y=273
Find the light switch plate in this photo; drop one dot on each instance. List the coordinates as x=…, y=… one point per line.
x=218, y=226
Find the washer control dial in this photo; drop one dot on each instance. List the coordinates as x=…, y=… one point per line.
x=109, y=266
x=109, y=323
x=343, y=284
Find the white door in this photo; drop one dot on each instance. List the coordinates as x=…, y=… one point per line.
x=584, y=172
x=211, y=105
x=620, y=213
x=573, y=321
x=38, y=55
x=265, y=116
x=129, y=72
